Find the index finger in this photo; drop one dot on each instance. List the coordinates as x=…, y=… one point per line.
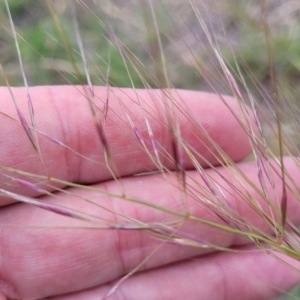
x=71, y=148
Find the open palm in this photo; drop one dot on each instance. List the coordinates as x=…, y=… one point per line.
x=85, y=263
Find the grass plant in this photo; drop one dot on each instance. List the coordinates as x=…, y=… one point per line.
x=246, y=49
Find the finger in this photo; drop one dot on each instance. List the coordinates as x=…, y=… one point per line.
x=92, y=257
x=71, y=148
x=246, y=276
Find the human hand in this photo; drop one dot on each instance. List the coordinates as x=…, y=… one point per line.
x=85, y=263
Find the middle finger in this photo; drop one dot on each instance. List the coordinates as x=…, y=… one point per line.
x=92, y=257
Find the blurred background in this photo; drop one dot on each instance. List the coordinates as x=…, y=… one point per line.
x=106, y=26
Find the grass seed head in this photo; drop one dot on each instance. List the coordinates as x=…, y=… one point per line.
x=161, y=47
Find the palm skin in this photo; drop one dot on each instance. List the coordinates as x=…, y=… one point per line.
x=36, y=263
